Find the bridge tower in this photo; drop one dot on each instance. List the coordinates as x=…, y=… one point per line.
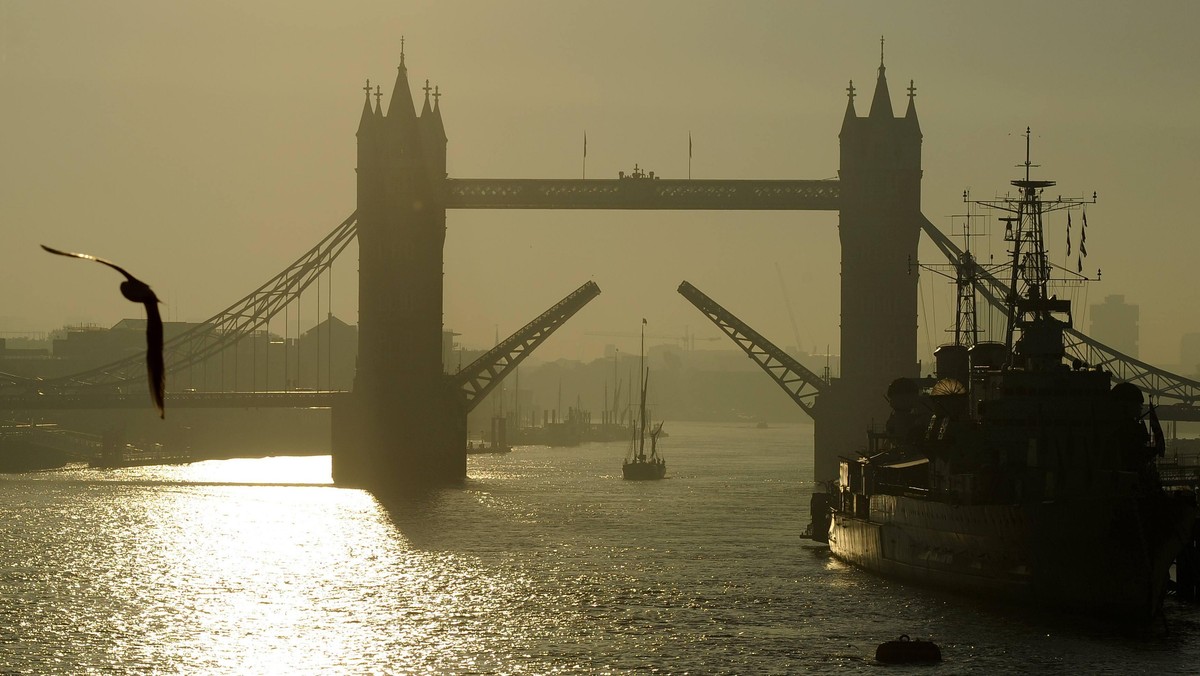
x=404, y=425
x=879, y=227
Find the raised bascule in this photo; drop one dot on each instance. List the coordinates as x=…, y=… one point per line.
x=404, y=423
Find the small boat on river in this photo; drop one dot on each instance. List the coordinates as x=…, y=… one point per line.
x=639, y=464
x=642, y=465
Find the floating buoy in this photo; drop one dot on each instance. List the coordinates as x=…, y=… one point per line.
x=905, y=650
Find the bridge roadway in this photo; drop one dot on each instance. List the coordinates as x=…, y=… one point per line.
x=114, y=400
x=292, y=399
x=642, y=192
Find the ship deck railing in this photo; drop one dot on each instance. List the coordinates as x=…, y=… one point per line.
x=1179, y=471
x=1176, y=460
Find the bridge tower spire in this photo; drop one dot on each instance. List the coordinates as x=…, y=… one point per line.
x=405, y=423
x=368, y=115
x=879, y=227
x=881, y=104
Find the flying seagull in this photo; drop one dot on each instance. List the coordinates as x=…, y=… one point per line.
x=138, y=291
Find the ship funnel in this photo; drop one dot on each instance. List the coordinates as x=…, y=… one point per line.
x=952, y=361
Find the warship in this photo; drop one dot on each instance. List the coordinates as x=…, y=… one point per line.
x=1015, y=472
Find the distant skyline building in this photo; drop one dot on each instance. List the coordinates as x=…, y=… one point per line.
x=1115, y=323
x=1189, y=354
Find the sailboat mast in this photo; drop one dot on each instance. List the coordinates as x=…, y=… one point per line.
x=629, y=399
x=642, y=387
x=616, y=385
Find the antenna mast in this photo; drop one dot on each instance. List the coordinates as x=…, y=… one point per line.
x=1029, y=300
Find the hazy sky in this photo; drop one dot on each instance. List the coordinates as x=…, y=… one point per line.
x=206, y=145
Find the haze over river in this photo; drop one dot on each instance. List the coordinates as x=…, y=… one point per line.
x=545, y=561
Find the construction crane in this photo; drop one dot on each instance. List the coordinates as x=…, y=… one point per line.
x=687, y=340
x=787, y=301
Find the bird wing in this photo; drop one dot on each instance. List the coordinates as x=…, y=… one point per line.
x=154, y=357
x=90, y=257
x=154, y=327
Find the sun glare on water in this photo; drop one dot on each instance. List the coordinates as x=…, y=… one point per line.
x=284, y=470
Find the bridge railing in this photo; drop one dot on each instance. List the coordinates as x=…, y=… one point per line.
x=641, y=193
x=105, y=399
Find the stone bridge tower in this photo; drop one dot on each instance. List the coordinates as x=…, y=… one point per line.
x=404, y=425
x=879, y=227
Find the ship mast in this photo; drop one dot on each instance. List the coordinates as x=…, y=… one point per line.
x=1028, y=300
x=966, y=323
x=643, y=376
x=1030, y=266
x=965, y=274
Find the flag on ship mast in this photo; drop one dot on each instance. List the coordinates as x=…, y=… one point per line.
x=1083, y=235
x=689, y=155
x=1068, y=234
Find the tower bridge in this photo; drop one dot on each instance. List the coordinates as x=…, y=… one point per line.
x=405, y=420
x=400, y=423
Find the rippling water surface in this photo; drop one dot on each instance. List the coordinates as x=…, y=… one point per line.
x=545, y=561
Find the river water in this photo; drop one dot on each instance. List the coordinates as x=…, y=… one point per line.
x=544, y=562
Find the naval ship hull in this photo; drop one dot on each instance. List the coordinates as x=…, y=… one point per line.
x=1100, y=556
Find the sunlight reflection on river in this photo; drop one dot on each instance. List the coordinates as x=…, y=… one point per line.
x=544, y=561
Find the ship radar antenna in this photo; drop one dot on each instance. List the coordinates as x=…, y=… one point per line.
x=964, y=273
x=1028, y=163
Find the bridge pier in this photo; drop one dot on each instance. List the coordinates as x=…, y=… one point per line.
x=112, y=449
x=375, y=448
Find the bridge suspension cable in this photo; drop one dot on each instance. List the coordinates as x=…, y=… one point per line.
x=1155, y=381
x=233, y=323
